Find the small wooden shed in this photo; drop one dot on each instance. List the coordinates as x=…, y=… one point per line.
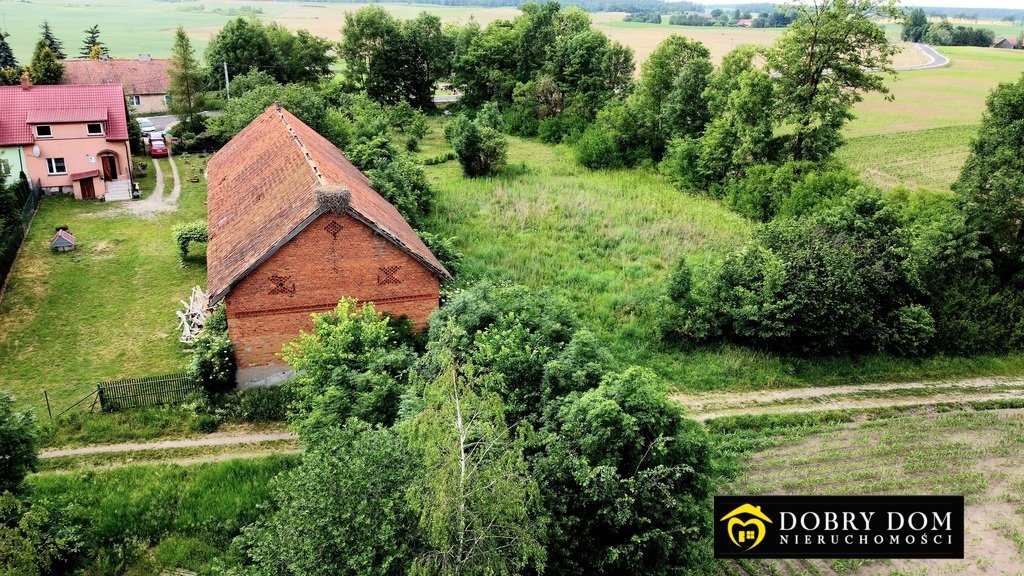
x=62, y=241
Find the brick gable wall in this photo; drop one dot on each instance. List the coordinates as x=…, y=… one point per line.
x=335, y=256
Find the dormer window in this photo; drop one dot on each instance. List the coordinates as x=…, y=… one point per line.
x=43, y=131
x=94, y=129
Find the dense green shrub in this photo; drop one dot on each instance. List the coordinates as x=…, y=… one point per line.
x=444, y=249
x=18, y=437
x=213, y=362
x=265, y=404
x=185, y=234
x=217, y=321
x=38, y=537
x=481, y=150
x=990, y=188
x=510, y=333
x=624, y=477
x=596, y=149
x=838, y=281
x=353, y=364
x=342, y=511
x=791, y=190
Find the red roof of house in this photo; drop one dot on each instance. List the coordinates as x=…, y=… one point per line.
x=17, y=105
x=265, y=186
x=1010, y=41
x=66, y=115
x=137, y=76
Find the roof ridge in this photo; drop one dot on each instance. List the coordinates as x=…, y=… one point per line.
x=307, y=156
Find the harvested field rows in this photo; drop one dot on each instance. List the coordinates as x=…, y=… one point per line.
x=975, y=454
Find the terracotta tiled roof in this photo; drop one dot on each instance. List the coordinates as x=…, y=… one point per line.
x=262, y=191
x=137, y=76
x=17, y=104
x=66, y=115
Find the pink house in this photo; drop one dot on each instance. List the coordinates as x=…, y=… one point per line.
x=68, y=139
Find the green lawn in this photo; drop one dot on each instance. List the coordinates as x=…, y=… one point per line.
x=102, y=312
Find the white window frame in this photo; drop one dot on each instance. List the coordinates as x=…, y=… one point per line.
x=135, y=100
x=51, y=166
x=48, y=127
x=90, y=133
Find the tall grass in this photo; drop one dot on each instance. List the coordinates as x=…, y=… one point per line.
x=605, y=241
x=146, y=505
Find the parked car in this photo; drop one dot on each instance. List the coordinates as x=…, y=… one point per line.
x=158, y=149
x=156, y=135
x=147, y=125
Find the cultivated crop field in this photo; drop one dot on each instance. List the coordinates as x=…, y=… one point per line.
x=950, y=96
x=927, y=159
x=976, y=454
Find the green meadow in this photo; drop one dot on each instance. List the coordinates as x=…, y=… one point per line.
x=605, y=241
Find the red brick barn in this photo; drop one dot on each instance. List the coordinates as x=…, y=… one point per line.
x=293, y=228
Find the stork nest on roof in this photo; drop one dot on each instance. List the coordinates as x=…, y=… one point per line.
x=333, y=198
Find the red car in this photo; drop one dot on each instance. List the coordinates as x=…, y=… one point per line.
x=158, y=149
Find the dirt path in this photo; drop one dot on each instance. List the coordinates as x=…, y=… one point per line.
x=209, y=440
x=156, y=202
x=718, y=404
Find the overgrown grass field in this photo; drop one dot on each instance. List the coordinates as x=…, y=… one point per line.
x=163, y=516
x=104, y=311
x=605, y=240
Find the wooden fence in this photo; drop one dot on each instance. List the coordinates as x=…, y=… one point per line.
x=150, y=391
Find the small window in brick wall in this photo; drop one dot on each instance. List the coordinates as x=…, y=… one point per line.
x=386, y=275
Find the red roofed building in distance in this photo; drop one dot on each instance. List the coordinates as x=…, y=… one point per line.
x=145, y=80
x=293, y=228
x=69, y=139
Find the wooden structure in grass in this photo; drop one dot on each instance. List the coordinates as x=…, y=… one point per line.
x=192, y=318
x=63, y=241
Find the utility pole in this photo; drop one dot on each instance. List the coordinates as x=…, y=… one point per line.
x=227, y=87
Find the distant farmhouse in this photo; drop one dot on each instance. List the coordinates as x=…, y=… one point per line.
x=145, y=80
x=67, y=139
x=745, y=22
x=293, y=228
x=1005, y=43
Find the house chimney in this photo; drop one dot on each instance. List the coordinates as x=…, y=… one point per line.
x=144, y=57
x=26, y=84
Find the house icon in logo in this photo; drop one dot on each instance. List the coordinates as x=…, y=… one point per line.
x=749, y=530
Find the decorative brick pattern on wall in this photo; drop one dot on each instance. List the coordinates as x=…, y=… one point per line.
x=311, y=273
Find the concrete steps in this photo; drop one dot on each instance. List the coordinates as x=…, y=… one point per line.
x=118, y=190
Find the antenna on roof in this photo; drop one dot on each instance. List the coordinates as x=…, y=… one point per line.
x=277, y=105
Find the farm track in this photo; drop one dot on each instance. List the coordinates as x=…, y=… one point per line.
x=859, y=397
x=206, y=441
